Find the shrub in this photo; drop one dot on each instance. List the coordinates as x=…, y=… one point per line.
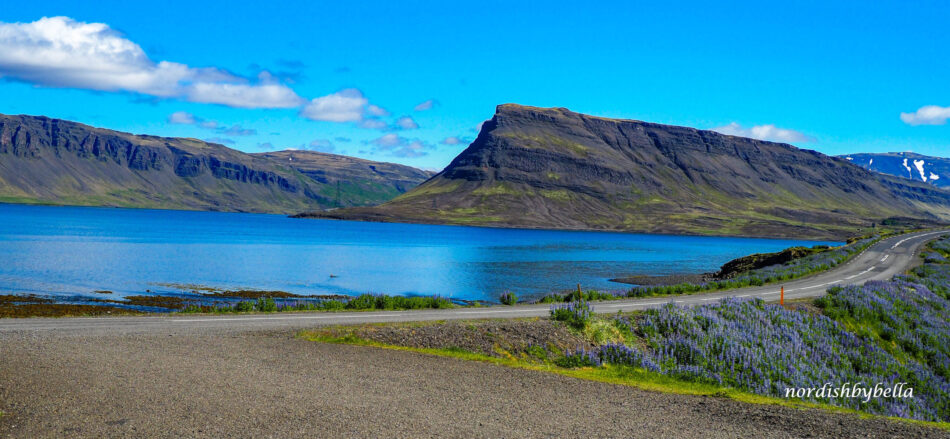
x=602, y=331
x=363, y=301
x=509, y=298
x=536, y=351
x=266, y=304
x=332, y=305
x=576, y=314
x=579, y=358
x=244, y=306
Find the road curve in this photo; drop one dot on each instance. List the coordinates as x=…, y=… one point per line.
x=881, y=261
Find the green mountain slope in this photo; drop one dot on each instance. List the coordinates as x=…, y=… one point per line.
x=552, y=168
x=45, y=160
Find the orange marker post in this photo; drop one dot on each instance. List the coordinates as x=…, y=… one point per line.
x=781, y=299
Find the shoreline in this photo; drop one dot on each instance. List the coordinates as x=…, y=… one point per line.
x=193, y=298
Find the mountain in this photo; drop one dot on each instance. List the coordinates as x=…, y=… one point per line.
x=552, y=168
x=53, y=161
x=364, y=180
x=933, y=170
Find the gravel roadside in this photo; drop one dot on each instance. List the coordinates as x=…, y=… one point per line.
x=266, y=384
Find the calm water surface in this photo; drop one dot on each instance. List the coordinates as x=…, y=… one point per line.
x=73, y=251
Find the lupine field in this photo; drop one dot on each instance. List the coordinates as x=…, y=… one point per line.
x=882, y=332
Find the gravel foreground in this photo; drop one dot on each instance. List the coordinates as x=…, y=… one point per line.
x=181, y=384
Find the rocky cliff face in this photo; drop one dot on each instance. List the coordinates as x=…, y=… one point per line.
x=55, y=161
x=552, y=168
x=927, y=169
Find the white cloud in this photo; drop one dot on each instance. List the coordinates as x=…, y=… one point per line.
x=400, y=146
x=927, y=115
x=221, y=140
x=209, y=124
x=376, y=110
x=237, y=130
x=182, y=117
x=764, y=132
x=406, y=123
x=244, y=95
x=373, y=124
x=413, y=149
x=453, y=141
x=389, y=140
x=343, y=106
x=62, y=52
x=426, y=105
x=186, y=118
x=323, y=145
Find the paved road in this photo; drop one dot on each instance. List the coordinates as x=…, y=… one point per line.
x=879, y=262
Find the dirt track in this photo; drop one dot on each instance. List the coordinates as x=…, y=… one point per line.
x=176, y=384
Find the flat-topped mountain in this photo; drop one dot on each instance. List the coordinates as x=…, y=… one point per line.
x=553, y=168
x=933, y=170
x=45, y=160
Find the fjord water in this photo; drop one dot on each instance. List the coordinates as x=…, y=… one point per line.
x=73, y=251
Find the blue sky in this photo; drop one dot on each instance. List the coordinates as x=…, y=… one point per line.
x=339, y=77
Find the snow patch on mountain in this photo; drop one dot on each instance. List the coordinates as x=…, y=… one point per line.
x=919, y=164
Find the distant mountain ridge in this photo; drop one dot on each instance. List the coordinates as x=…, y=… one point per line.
x=553, y=168
x=44, y=160
x=933, y=170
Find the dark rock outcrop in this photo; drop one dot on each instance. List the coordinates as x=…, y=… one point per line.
x=744, y=264
x=552, y=168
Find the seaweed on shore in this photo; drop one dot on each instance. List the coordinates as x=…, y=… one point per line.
x=257, y=294
x=26, y=299
x=246, y=293
x=49, y=309
x=170, y=302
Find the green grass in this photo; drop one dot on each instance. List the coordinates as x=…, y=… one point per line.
x=434, y=187
x=495, y=190
x=557, y=195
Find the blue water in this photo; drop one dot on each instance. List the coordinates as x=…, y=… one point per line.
x=69, y=251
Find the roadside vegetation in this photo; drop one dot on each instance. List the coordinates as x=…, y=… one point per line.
x=794, y=269
x=883, y=332
x=815, y=262
x=363, y=302
x=36, y=306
